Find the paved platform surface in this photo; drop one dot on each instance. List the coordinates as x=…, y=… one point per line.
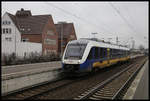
x=18, y=69
x=142, y=91
x=139, y=88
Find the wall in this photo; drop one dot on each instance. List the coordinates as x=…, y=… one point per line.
x=28, y=47
x=8, y=47
x=25, y=81
x=21, y=48
x=47, y=48
x=33, y=37
x=15, y=45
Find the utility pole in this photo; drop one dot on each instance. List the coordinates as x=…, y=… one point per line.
x=61, y=39
x=15, y=41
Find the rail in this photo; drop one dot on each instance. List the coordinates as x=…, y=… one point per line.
x=98, y=92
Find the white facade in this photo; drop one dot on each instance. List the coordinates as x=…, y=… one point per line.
x=28, y=47
x=9, y=47
x=11, y=39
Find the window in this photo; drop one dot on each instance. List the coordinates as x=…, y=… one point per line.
x=117, y=53
x=8, y=39
x=75, y=51
x=101, y=52
x=72, y=36
x=6, y=22
x=25, y=40
x=4, y=31
x=50, y=32
x=114, y=53
x=50, y=41
x=7, y=31
x=110, y=53
x=96, y=53
x=22, y=29
x=90, y=54
x=105, y=53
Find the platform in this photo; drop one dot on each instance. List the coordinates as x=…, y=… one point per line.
x=139, y=88
x=26, y=69
x=19, y=77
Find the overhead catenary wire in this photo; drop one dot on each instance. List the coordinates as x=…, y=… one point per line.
x=100, y=22
x=124, y=19
x=80, y=18
x=93, y=24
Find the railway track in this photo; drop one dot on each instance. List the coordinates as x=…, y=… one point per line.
x=113, y=87
x=38, y=90
x=44, y=89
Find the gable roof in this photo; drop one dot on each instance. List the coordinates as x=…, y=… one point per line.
x=30, y=24
x=67, y=29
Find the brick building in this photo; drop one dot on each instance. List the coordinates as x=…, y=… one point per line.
x=66, y=32
x=37, y=29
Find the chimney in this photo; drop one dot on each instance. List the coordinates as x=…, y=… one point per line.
x=23, y=13
x=22, y=9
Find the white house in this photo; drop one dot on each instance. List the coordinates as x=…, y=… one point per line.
x=11, y=39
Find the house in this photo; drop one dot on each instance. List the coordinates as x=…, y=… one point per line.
x=33, y=33
x=66, y=33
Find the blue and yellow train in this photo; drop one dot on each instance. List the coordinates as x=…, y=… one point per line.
x=85, y=55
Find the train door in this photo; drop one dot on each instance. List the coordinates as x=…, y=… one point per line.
x=108, y=55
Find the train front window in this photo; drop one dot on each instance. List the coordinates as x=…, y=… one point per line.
x=75, y=51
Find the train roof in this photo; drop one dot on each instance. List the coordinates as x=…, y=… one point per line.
x=98, y=43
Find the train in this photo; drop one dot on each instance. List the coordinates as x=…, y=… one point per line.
x=87, y=55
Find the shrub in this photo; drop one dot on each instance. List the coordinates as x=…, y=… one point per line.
x=12, y=59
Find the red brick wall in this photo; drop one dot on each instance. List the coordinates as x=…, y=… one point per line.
x=39, y=38
x=66, y=40
x=32, y=37
x=49, y=26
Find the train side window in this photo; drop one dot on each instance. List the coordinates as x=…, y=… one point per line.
x=113, y=53
x=101, y=52
x=105, y=52
x=110, y=53
x=90, y=54
x=96, y=53
x=123, y=53
x=117, y=53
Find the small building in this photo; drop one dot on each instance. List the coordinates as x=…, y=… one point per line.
x=23, y=27
x=66, y=33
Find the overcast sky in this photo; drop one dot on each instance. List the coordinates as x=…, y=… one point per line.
x=109, y=19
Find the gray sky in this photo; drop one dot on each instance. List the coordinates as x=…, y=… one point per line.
x=108, y=19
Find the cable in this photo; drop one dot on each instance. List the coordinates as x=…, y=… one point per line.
x=82, y=19
x=100, y=22
x=130, y=26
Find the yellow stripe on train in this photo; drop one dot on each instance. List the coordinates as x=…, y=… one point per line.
x=109, y=62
